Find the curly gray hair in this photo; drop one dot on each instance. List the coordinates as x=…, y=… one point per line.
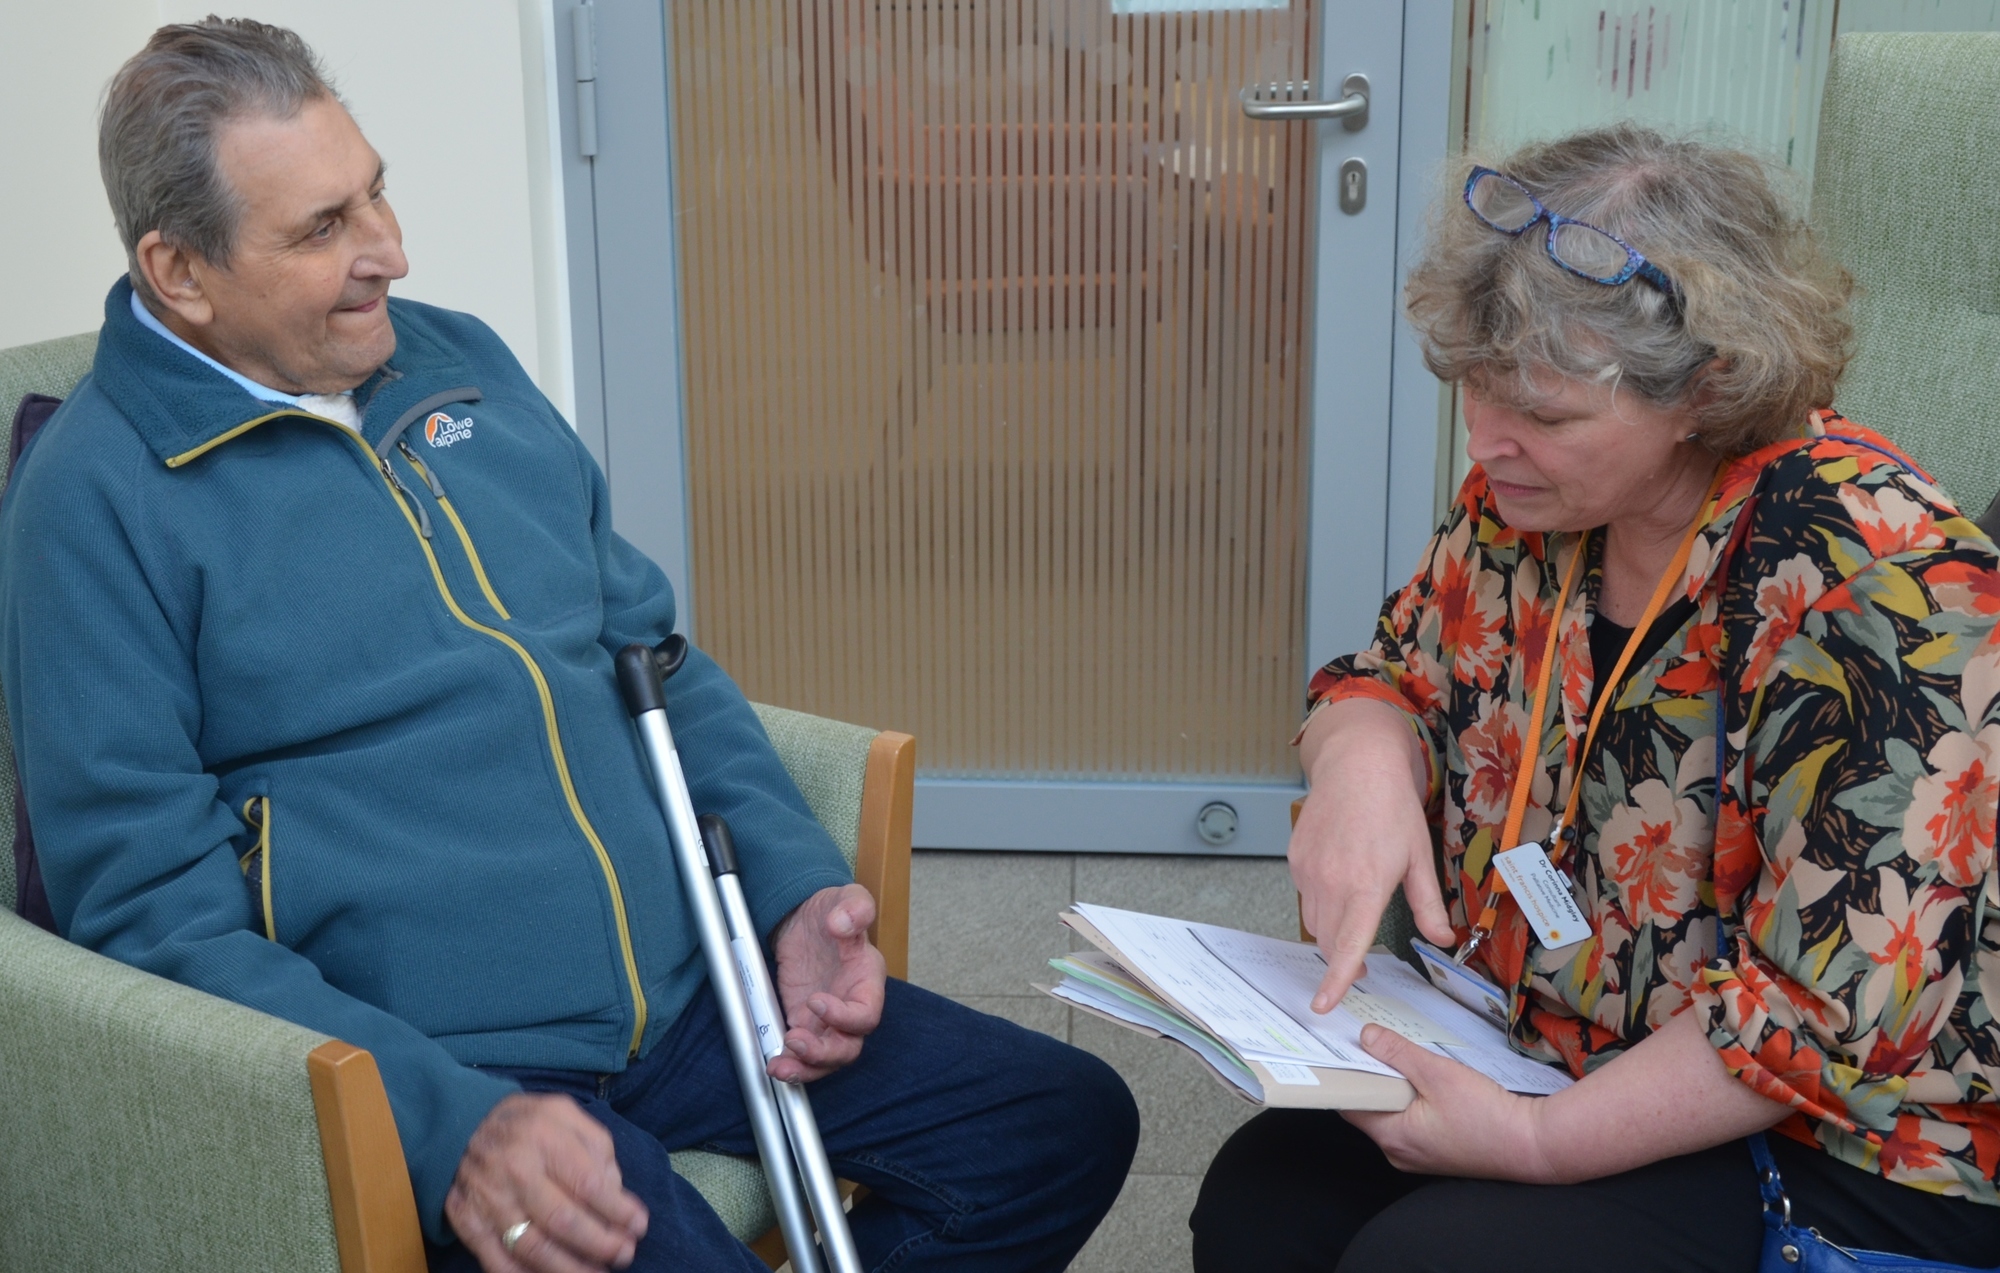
x=157, y=132
x=1760, y=306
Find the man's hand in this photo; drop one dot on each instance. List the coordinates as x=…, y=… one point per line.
x=830, y=982
x=543, y=1160
x=1461, y=1123
x=1362, y=832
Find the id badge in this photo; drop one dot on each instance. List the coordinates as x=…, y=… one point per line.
x=1544, y=896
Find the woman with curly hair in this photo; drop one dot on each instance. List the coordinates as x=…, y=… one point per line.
x=1726, y=665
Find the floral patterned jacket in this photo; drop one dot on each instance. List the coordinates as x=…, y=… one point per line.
x=1849, y=875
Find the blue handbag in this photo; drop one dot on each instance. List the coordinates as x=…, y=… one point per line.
x=1788, y=1248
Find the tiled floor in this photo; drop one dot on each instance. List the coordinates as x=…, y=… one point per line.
x=983, y=926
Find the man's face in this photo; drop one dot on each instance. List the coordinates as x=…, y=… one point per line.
x=302, y=305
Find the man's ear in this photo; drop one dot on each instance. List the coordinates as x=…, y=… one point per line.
x=175, y=275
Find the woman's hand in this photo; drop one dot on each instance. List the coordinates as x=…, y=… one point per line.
x=1461, y=1123
x=1667, y=1095
x=1362, y=832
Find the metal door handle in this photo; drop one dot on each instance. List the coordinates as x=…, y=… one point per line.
x=1351, y=110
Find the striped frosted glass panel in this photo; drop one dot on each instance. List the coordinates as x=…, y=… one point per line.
x=1747, y=70
x=1126, y=7
x=994, y=314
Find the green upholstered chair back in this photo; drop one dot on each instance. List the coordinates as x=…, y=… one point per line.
x=1906, y=189
x=50, y=367
x=144, y=1125
x=828, y=759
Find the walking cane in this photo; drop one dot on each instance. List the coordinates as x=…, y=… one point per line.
x=781, y=1118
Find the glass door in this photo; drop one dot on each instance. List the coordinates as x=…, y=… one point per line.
x=1034, y=397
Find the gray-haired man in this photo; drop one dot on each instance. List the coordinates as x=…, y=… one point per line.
x=307, y=605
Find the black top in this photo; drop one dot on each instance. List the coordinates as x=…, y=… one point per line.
x=1607, y=639
x=1607, y=642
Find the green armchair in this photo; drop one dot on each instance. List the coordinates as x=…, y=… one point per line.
x=147, y=1126
x=1906, y=179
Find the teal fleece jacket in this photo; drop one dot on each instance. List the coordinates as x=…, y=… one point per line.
x=250, y=656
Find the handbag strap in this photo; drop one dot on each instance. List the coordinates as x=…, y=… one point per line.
x=1770, y=1185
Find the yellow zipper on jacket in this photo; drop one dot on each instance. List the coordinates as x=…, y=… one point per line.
x=464, y=536
x=381, y=464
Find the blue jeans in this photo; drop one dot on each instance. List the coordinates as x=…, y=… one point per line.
x=983, y=1145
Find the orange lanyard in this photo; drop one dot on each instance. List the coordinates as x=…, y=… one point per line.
x=1524, y=779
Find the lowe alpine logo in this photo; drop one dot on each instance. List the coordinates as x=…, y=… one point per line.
x=441, y=430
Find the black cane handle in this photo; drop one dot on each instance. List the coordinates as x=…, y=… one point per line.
x=669, y=654
x=639, y=680
x=640, y=672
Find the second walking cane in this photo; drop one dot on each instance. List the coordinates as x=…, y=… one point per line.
x=781, y=1118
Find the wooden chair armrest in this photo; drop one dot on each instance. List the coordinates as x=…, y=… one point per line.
x=882, y=851
x=374, y=1210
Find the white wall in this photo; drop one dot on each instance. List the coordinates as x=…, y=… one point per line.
x=54, y=61
x=452, y=92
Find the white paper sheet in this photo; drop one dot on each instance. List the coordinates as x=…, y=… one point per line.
x=1168, y=952
x=1389, y=993
x=1255, y=994
x=1169, y=1024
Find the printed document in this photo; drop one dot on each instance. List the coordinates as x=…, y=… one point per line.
x=1250, y=997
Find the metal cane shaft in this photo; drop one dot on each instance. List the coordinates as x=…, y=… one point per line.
x=774, y=1146
x=822, y=1189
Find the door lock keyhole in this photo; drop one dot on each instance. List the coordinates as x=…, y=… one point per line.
x=1353, y=186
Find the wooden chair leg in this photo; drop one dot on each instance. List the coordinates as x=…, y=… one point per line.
x=771, y=1247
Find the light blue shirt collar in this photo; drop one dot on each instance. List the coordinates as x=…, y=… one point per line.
x=261, y=392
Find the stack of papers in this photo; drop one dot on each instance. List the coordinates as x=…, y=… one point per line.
x=1242, y=1003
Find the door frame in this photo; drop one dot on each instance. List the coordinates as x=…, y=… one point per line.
x=631, y=404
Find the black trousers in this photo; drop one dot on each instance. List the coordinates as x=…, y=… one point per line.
x=1297, y=1190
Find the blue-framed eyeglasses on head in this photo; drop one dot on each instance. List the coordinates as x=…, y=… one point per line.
x=1584, y=250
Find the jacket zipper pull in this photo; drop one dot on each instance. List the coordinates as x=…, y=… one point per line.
x=423, y=518
x=429, y=474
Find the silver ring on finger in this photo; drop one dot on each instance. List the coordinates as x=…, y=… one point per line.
x=512, y=1237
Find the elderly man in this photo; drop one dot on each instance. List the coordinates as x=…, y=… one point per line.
x=307, y=605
